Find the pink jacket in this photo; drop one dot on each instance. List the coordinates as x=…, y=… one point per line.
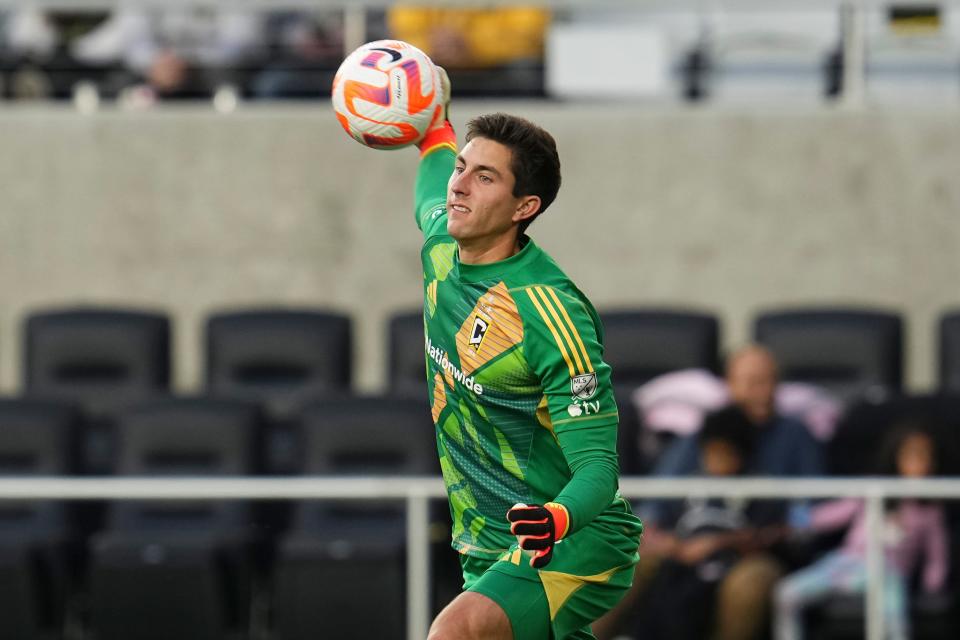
x=912, y=529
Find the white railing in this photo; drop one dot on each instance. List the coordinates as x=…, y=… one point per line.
x=418, y=491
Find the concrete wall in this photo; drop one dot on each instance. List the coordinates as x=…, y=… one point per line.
x=187, y=211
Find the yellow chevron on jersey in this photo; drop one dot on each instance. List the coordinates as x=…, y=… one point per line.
x=491, y=329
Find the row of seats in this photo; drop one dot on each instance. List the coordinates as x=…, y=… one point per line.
x=284, y=356
x=108, y=359
x=212, y=569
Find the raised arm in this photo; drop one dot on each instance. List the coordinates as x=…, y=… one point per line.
x=438, y=151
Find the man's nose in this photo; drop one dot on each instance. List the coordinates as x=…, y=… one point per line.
x=458, y=184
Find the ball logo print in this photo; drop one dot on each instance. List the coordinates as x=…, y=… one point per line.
x=386, y=94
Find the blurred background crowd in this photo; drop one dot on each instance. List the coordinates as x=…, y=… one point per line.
x=681, y=52
x=197, y=295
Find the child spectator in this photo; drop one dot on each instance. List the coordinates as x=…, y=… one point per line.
x=912, y=529
x=708, y=536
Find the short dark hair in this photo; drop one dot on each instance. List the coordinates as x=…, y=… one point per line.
x=731, y=425
x=534, y=161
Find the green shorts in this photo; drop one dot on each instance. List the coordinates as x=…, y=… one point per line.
x=589, y=573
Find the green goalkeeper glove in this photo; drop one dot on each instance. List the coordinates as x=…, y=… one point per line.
x=538, y=528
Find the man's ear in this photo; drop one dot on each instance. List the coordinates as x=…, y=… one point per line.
x=529, y=206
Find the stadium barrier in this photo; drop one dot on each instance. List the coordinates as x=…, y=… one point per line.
x=417, y=492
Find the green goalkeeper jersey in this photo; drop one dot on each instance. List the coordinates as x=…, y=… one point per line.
x=520, y=394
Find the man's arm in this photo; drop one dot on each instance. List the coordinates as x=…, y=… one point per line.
x=438, y=151
x=562, y=345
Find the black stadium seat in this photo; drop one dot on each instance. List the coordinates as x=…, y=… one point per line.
x=949, y=348
x=38, y=542
x=847, y=351
x=103, y=359
x=340, y=556
x=641, y=344
x=283, y=358
x=177, y=569
x=406, y=370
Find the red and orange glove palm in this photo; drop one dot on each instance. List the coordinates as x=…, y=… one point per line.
x=538, y=528
x=440, y=131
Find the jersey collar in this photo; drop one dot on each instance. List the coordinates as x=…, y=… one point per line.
x=480, y=272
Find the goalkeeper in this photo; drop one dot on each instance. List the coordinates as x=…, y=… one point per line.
x=525, y=416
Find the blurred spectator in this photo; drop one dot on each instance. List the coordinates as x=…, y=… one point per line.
x=783, y=447
x=305, y=50
x=675, y=403
x=912, y=529
x=178, y=52
x=39, y=51
x=708, y=537
x=492, y=50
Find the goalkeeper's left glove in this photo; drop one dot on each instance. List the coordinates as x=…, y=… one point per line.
x=538, y=529
x=440, y=130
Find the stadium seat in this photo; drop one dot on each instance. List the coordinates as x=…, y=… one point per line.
x=762, y=56
x=644, y=343
x=163, y=569
x=103, y=359
x=847, y=351
x=406, y=370
x=340, y=556
x=632, y=461
x=38, y=546
x=949, y=340
x=853, y=448
x=282, y=358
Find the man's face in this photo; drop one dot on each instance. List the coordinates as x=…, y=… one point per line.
x=752, y=380
x=481, y=207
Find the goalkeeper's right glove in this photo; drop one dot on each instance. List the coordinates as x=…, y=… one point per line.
x=538, y=528
x=440, y=130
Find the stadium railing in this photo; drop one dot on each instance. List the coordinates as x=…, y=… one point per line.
x=417, y=492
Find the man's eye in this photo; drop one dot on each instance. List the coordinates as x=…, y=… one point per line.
x=485, y=179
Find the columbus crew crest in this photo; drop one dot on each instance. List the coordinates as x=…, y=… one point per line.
x=479, y=330
x=584, y=386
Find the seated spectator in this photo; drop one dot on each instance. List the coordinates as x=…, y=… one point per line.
x=783, y=447
x=675, y=403
x=38, y=51
x=305, y=49
x=708, y=536
x=505, y=40
x=912, y=529
x=184, y=52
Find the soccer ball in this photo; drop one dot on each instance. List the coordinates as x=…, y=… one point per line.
x=386, y=94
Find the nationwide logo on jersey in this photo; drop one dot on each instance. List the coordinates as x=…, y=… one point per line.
x=583, y=386
x=479, y=330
